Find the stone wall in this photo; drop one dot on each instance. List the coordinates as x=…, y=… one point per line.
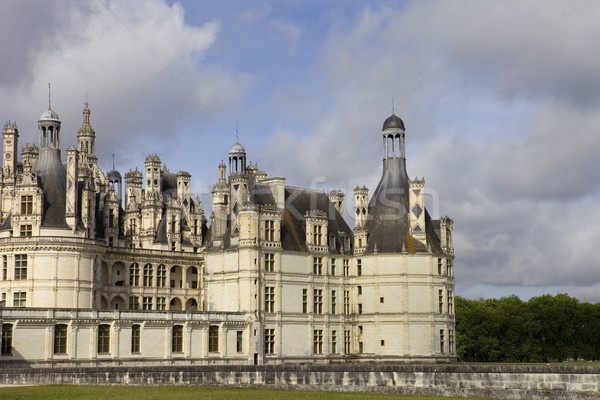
x=485, y=381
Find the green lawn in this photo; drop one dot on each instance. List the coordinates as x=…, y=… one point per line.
x=185, y=392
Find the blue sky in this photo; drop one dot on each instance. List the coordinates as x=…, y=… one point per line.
x=500, y=99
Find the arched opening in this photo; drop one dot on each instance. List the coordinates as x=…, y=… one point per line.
x=175, y=304
x=104, y=274
x=103, y=303
x=176, y=277
x=117, y=303
x=191, y=278
x=118, y=274
x=191, y=305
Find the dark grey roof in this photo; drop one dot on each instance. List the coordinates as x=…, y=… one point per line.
x=261, y=194
x=51, y=174
x=393, y=122
x=388, y=222
x=7, y=223
x=168, y=181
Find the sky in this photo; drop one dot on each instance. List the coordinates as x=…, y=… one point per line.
x=500, y=99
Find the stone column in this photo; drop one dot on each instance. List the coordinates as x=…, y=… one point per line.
x=223, y=341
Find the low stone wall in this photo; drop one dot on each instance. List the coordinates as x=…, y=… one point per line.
x=484, y=381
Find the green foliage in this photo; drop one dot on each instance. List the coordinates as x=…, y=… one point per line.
x=546, y=328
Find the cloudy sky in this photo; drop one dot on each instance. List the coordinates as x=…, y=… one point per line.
x=501, y=101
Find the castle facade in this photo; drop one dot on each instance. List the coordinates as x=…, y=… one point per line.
x=97, y=271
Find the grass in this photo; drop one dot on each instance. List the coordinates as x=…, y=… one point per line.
x=188, y=392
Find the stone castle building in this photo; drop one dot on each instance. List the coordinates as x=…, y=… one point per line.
x=95, y=272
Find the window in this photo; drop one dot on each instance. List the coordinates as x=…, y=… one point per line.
x=346, y=302
x=450, y=303
x=451, y=341
x=20, y=266
x=60, y=339
x=333, y=267
x=318, y=341
x=442, y=341
x=318, y=301
x=135, y=338
x=334, y=342
x=304, y=301
x=269, y=299
x=346, y=268
x=239, y=341
x=318, y=265
x=359, y=308
x=161, y=276
x=19, y=299
x=269, y=231
x=148, y=271
x=134, y=303
x=3, y=300
x=381, y=300
x=104, y=339
x=359, y=290
x=269, y=262
x=269, y=341
x=27, y=204
x=360, y=347
x=382, y=343
x=359, y=267
x=7, y=336
x=177, y=339
x=4, y=267
x=161, y=303
x=213, y=338
x=26, y=230
x=134, y=274
x=360, y=330
x=111, y=218
x=439, y=266
x=317, y=235
x=347, y=341
x=147, y=303
x=450, y=267
x=441, y=300
x=333, y=302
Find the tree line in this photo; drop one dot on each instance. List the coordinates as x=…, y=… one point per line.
x=544, y=329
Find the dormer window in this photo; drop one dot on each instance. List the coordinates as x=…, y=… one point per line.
x=270, y=231
x=317, y=235
x=27, y=204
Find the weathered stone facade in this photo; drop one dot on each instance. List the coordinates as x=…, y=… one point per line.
x=277, y=276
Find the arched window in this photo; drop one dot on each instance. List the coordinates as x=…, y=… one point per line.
x=148, y=273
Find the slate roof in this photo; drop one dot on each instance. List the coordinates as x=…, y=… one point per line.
x=51, y=174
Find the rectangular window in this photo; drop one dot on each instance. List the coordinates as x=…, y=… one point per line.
x=450, y=267
x=334, y=342
x=3, y=300
x=346, y=302
x=318, y=301
x=442, y=341
x=19, y=299
x=177, y=340
x=333, y=267
x=148, y=272
x=111, y=218
x=104, y=339
x=317, y=265
x=269, y=341
x=451, y=341
x=333, y=305
x=161, y=276
x=347, y=342
x=269, y=262
x=450, y=303
x=359, y=290
x=270, y=231
x=26, y=230
x=134, y=275
x=359, y=267
x=304, y=301
x=4, y=268
x=147, y=303
x=134, y=303
x=213, y=339
x=269, y=299
x=239, y=340
x=135, y=338
x=60, y=339
x=27, y=204
x=359, y=308
x=360, y=347
x=318, y=341
x=161, y=303
x=439, y=266
x=7, y=337
x=317, y=235
x=441, y=300
x=20, y=266
x=360, y=330
x=346, y=267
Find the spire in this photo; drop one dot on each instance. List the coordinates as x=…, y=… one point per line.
x=49, y=102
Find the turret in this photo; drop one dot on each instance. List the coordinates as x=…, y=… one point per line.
x=361, y=206
x=337, y=198
x=71, y=206
x=153, y=174
x=86, y=139
x=10, y=142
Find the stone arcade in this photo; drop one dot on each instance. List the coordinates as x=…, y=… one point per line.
x=92, y=275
